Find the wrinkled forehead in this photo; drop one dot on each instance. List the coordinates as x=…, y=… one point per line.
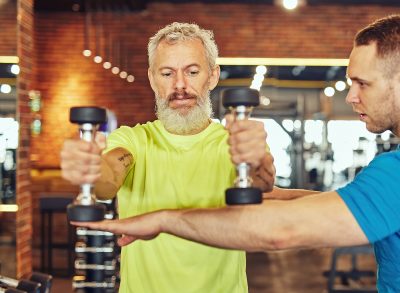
x=180, y=52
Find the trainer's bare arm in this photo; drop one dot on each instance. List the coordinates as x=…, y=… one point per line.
x=318, y=220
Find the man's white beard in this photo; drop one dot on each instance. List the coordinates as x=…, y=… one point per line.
x=194, y=120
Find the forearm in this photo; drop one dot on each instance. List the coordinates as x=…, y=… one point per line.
x=272, y=225
x=229, y=227
x=287, y=194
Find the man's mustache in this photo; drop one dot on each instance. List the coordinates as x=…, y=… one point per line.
x=174, y=96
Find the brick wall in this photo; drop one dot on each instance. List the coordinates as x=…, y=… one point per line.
x=24, y=199
x=66, y=78
x=8, y=31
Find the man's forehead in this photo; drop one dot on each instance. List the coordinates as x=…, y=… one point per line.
x=167, y=43
x=363, y=55
x=182, y=53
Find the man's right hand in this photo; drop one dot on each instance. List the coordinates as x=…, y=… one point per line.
x=81, y=160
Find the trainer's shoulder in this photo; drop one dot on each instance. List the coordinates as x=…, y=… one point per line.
x=386, y=158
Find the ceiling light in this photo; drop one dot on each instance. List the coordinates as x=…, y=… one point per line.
x=87, y=53
x=15, y=69
x=97, y=59
x=123, y=74
x=290, y=4
x=255, y=87
x=107, y=65
x=297, y=124
x=288, y=124
x=261, y=69
x=265, y=101
x=5, y=88
x=115, y=70
x=297, y=70
x=256, y=83
x=76, y=7
x=258, y=77
x=340, y=85
x=130, y=78
x=329, y=91
x=385, y=135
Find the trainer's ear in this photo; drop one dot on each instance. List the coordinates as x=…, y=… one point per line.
x=214, y=77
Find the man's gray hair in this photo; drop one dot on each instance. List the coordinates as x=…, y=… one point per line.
x=176, y=32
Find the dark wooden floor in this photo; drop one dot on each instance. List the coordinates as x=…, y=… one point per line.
x=298, y=271
x=289, y=271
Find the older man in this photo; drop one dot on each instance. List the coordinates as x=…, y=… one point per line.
x=181, y=160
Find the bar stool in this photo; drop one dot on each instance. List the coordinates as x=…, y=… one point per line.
x=49, y=205
x=353, y=274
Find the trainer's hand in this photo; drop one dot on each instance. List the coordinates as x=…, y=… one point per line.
x=143, y=227
x=247, y=140
x=81, y=160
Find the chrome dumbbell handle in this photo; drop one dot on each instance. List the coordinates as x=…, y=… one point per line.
x=243, y=178
x=11, y=290
x=86, y=232
x=79, y=285
x=9, y=281
x=87, y=133
x=107, y=266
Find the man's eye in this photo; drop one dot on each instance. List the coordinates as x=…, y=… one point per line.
x=166, y=74
x=193, y=72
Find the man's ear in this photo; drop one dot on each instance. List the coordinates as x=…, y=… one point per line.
x=214, y=77
x=151, y=79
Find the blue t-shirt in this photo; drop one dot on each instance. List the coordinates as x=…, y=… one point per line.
x=374, y=200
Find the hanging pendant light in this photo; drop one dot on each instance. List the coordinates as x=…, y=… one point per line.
x=86, y=49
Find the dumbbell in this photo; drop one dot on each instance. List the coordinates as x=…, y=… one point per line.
x=85, y=208
x=45, y=281
x=23, y=285
x=240, y=101
x=10, y=290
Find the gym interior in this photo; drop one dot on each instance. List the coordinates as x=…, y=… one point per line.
x=53, y=57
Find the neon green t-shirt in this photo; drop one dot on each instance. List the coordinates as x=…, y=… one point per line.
x=175, y=172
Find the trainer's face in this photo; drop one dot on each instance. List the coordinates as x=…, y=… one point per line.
x=373, y=95
x=181, y=75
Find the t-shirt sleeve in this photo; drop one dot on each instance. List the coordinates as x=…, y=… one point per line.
x=123, y=137
x=374, y=197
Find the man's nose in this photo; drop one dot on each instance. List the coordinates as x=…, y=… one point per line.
x=353, y=95
x=180, y=81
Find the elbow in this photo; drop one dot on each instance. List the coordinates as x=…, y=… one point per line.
x=281, y=239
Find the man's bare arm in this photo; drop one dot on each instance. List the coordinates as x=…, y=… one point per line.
x=319, y=220
x=83, y=162
x=287, y=194
x=114, y=168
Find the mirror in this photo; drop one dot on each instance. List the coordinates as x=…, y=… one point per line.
x=8, y=138
x=8, y=148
